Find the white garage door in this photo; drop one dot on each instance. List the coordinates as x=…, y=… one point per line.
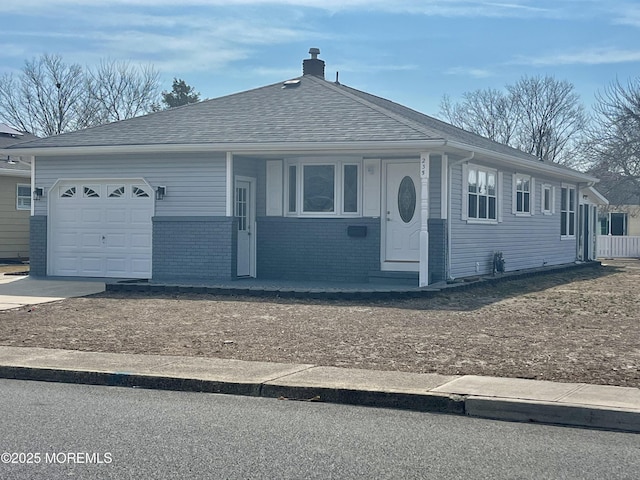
x=101, y=228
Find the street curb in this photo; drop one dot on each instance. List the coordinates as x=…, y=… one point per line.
x=527, y=411
x=553, y=413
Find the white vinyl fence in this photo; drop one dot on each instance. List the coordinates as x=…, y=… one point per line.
x=611, y=246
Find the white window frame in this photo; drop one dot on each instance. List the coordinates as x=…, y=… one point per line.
x=465, y=194
x=568, y=211
x=530, y=192
x=338, y=191
x=22, y=199
x=552, y=199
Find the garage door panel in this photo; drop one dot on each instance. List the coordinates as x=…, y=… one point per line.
x=91, y=216
x=140, y=265
x=90, y=240
x=101, y=229
x=141, y=240
x=140, y=216
x=116, y=240
x=92, y=265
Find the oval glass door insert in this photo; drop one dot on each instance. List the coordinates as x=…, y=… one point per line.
x=406, y=199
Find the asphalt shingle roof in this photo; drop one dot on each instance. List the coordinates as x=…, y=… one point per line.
x=315, y=110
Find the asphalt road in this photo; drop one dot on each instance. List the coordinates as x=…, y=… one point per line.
x=79, y=431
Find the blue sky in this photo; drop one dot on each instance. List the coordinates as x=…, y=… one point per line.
x=412, y=52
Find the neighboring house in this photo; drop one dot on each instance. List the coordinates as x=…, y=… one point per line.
x=304, y=179
x=621, y=216
x=15, y=198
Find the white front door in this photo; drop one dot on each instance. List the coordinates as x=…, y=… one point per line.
x=100, y=228
x=245, y=216
x=401, y=220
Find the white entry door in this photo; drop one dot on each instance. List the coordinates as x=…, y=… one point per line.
x=100, y=228
x=245, y=215
x=402, y=219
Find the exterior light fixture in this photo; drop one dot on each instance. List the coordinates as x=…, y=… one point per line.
x=160, y=192
x=37, y=193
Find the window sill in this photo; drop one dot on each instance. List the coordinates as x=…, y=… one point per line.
x=522, y=214
x=547, y=213
x=476, y=221
x=567, y=237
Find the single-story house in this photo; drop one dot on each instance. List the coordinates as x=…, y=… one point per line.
x=15, y=198
x=303, y=179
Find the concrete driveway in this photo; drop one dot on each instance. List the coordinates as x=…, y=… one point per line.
x=18, y=291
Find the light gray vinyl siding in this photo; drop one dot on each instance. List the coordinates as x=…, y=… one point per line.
x=195, y=182
x=435, y=186
x=525, y=241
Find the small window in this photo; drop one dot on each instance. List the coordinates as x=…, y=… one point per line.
x=568, y=211
x=68, y=192
x=350, y=184
x=23, y=197
x=522, y=190
x=547, y=204
x=91, y=192
x=292, y=188
x=139, y=192
x=116, y=192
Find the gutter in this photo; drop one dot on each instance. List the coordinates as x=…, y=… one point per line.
x=278, y=148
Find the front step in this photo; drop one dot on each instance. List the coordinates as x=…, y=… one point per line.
x=395, y=278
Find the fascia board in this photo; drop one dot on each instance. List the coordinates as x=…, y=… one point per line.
x=238, y=148
x=532, y=165
x=15, y=173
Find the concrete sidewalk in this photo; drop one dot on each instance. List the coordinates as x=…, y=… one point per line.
x=582, y=405
x=18, y=291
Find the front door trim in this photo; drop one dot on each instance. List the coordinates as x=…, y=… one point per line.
x=409, y=265
x=251, y=223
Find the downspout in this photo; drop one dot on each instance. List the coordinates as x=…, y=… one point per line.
x=449, y=182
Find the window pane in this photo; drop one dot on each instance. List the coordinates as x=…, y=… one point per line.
x=525, y=185
x=572, y=218
x=572, y=199
x=563, y=223
x=563, y=199
x=518, y=201
x=318, y=188
x=473, y=206
x=24, y=191
x=292, y=188
x=526, y=202
x=491, y=180
x=472, y=181
x=482, y=183
x=350, y=181
x=547, y=199
x=482, y=207
x=492, y=208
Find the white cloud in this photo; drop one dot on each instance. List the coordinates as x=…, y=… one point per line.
x=469, y=72
x=594, y=56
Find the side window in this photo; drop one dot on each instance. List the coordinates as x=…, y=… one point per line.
x=567, y=211
x=23, y=197
x=522, y=194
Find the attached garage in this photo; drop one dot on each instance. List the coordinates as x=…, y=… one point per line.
x=100, y=228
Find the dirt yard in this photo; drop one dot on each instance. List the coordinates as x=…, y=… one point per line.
x=577, y=326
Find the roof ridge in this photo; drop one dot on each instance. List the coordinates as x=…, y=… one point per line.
x=380, y=109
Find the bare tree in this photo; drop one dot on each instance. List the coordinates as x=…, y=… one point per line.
x=538, y=115
x=50, y=97
x=120, y=90
x=489, y=113
x=552, y=118
x=44, y=98
x=615, y=139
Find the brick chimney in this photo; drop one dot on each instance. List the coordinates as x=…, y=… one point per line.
x=313, y=65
